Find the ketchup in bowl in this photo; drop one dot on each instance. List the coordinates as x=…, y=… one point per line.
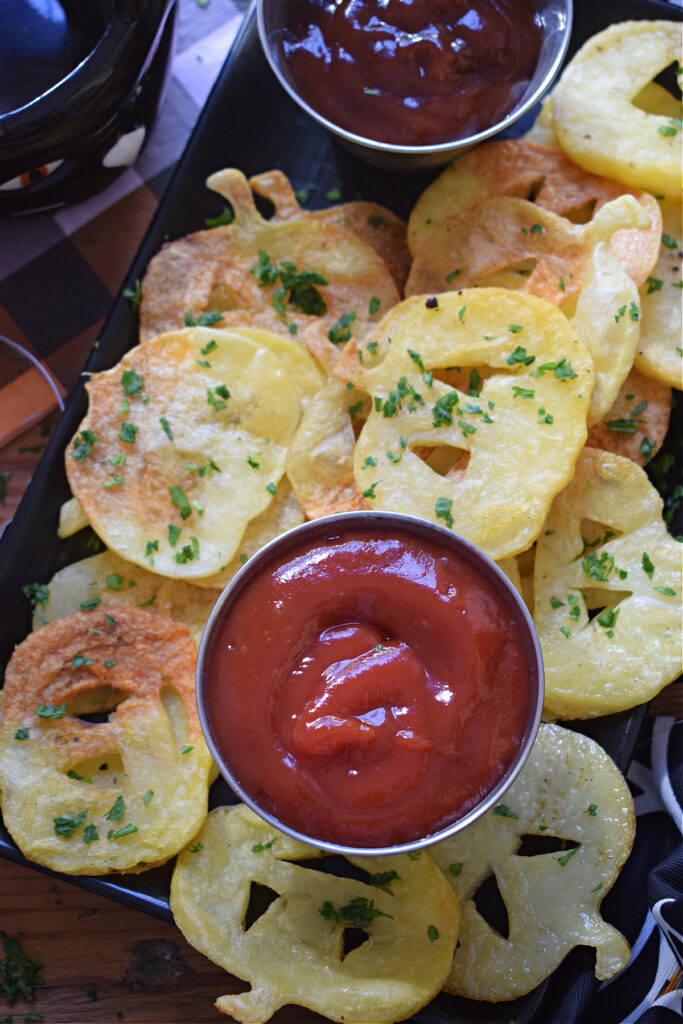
x=367, y=686
x=411, y=72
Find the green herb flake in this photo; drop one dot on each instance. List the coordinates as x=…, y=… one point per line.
x=173, y=534
x=597, y=888
x=54, y=710
x=536, y=229
x=370, y=461
x=654, y=284
x=117, y=810
x=223, y=218
x=648, y=565
x=37, y=593
x=187, y=748
x=556, y=603
x=592, y=810
x=166, y=427
x=566, y=857
x=369, y=492
x=134, y=295
x=518, y=392
x=109, y=620
x=19, y=973
x=83, y=445
x=519, y=355
x=88, y=606
x=148, y=796
x=179, y=499
x=432, y=933
x=515, y=329
x=461, y=313
x=66, y=824
x=453, y=274
x=197, y=848
x=109, y=662
x=503, y=811
x=383, y=878
x=21, y=732
x=667, y=591
x=128, y=432
x=443, y=510
x=127, y=830
x=271, y=488
x=340, y=332
x=375, y=220
x=455, y=869
x=73, y=774
x=668, y=242
x=132, y=383
x=333, y=194
x=209, y=319
x=260, y=847
x=114, y=581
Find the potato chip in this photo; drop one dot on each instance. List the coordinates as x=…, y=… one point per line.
x=554, y=848
x=637, y=422
x=377, y=226
x=529, y=389
x=607, y=321
x=107, y=579
x=660, y=351
x=294, y=951
x=320, y=459
x=72, y=518
x=607, y=586
x=468, y=247
x=290, y=271
x=183, y=444
x=515, y=167
x=595, y=119
x=117, y=795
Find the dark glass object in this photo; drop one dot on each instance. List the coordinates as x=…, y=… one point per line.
x=80, y=84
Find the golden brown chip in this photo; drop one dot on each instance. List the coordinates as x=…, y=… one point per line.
x=514, y=167
x=469, y=246
x=320, y=459
x=381, y=229
x=636, y=425
x=521, y=421
x=183, y=445
x=118, y=795
x=241, y=267
x=108, y=579
x=294, y=952
x=554, y=848
x=607, y=587
x=595, y=119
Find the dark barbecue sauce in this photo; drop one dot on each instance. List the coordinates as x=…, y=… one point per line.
x=412, y=72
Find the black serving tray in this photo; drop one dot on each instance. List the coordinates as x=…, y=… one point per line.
x=250, y=122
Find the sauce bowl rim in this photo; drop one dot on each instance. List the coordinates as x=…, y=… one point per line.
x=385, y=521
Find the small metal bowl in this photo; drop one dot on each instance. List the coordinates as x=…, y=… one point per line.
x=556, y=20
x=381, y=523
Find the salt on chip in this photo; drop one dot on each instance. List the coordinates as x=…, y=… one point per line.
x=377, y=226
x=569, y=790
x=595, y=119
x=221, y=270
x=202, y=421
x=607, y=585
x=533, y=385
x=108, y=579
x=293, y=953
x=320, y=458
x=660, y=351
x=505, y=231
x=119, y=795
x=636, y=424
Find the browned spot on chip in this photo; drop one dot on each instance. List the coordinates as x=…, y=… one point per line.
x=636, y=425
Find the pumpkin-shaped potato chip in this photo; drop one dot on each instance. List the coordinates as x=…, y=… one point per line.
x=289, y=271
x=660, y=354
x=184, y=443
x=381, y=229
x=515, y=167
x=595, y=119
x=320, y=459
x=295, y=951
x=108, y=579
x=118, y=795
x=471, y=246
x=518, y=432
x=636, y=424
x=607, y=584
x=571, y=798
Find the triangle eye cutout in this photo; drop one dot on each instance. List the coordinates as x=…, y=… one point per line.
x=352, y=938
x=260, y=898
x=491, y=905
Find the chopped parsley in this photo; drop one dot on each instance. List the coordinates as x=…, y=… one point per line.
x=66, y=824
x=90, y=834
x=127, y=830
x=455, y=869
x=442, y=411
x=654, y=284
x=187, y=748
x=298, y=288
x=592, y=810
x=224, y=217
x=648, y=565
x=453, y=274
x=88, y=606
x=566, y=857
x=562, y=369
x=370, y=461
x=375, y=220
x=217, y=397
x=668, y=242
x=51, y=710
x=519, y=355
x=148, y=796
x=271, y=488
x=179, y=499
x=173, y=534
x=21, y=732
x=83, y=445
x=369, y=492
x=166, y=427
x=209, y=319
x=667, y=591
x=383, y=878
x=117, y=810
x=109, y=620
x=443, y=510
x=260, y=847
x=373, y=305
x=518, y=392
x=114, y=581
x=131, y=382
x=37, y=593
x=359, y=913
x=134, y=295
x=19, y=973
x=73, y=774
x=128, y=432
x=432, y=933
x=340, y=331
x=503, y=811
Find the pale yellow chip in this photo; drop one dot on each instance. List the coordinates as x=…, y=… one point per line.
x=72, y=518
x=293, y=953
x=661, y=335
x=596, y=120
x=499, y=233
x=520, y=435
x=118, y=795
x=320, y=459
x=110, y=580
x=220, y=270
x=607, y=587
x=180, y=504
x=607, y=319
x=569, y=789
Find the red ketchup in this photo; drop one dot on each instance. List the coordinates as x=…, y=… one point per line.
x=368, y=688
x=411, y=72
